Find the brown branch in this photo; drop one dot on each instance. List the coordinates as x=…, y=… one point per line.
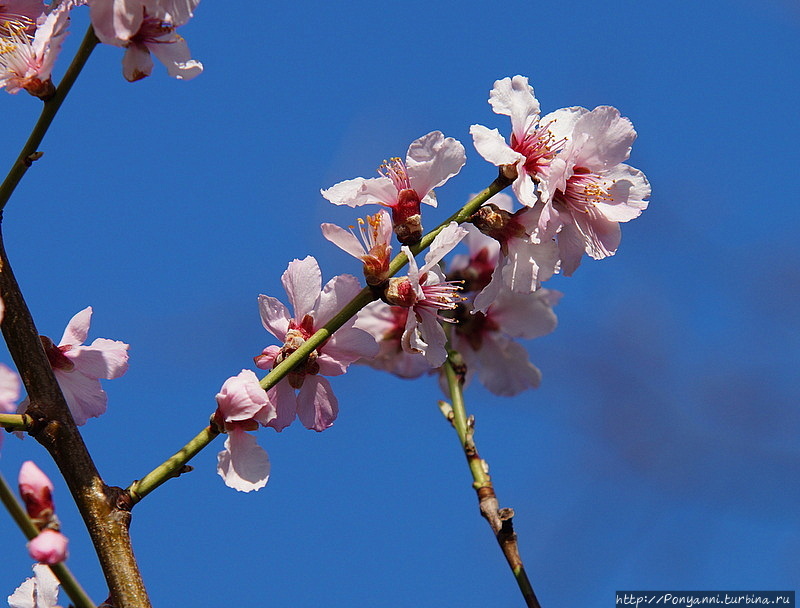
x=105, y=514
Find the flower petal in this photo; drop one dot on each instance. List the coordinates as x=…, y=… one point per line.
x=136, y=62
x=274, y=316
x=445, y=241
x=317, y=406
x=344, y=239
x=9, y=389
x=514, y=97
x=432, y=160
x=103, y=358
x=173, y=51
x=505, y=369
x=525, y=315
x=336, y=293
x=302, y=281
x=243, y=464
x=84, y=396
x=493, y=147
x=283, y=398
x=78, y=328
x=608, y=138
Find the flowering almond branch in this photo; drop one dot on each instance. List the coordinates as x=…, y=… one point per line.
x=173, y=466
x=499, y=519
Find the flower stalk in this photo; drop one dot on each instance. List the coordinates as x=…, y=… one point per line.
x=499, y=519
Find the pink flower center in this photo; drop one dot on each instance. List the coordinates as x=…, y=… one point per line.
x=440, y=296
x=296, y=336
x=395, y=170
x=583, y=191
x=152, y=30
x=55, y=354
x=474, y=326
x=539, y=147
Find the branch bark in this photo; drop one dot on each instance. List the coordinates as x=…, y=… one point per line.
x=103, y=508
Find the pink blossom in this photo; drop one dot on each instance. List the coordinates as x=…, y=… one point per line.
x=26, y=63
x=241, y=406
x=523, y=260
x=375, y=251
x=313, y=306
x=533, y=144
x=36, y=491
x=431, y=160
x=426, y=292
x=144, y=27
x=49, y=547
x=589, y=190
x=387, y=324
x=485, y=340
x=78, y=368
x=39, y=591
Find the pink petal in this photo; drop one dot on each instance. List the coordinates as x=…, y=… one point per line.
x=242, y=398
x=344, y=240
x=347, y=345
x=505, y=369
x=493, y=147
x=360, y=191
x=432, y=160
x=243, y=464
x=302, y=281
x=629, y=189
x=609, y=141
x=78, y=328
x=317, y=406
x=85, y=398
x=283, y=398
x=176, y=12
x=267, y=358
x=514, y=97
x=432, y=332
x=174, y=53
x=525, y=315
x=103, y=358
x=571, y=247
x=9, y=389
x=39, y=591
x=274, y=316
x=115, y=21
x=336, y=293
x=136, y=62
x=445, y=241
x=489, y=293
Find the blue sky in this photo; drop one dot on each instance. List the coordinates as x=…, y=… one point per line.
x=661, y=450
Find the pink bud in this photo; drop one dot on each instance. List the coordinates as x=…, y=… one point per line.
x=49, y=547
x=36, y=490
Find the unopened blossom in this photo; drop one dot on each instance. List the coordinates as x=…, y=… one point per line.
x=36, y=491
x=39, y=591
x=20, y=16
x=78, y=368
x=523, y=260
x=26, y=63
x=486, y=340
x=589, y=188
x=533, y=144
x=373, y=249
x=144, y=27
x=431, y=160
x=426, y=293
x=387, y=324
x=241, y=406
x=48, y=547
x=313, y=306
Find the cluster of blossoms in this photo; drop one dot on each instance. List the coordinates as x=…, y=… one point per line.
x=32, y=33
x=567, y=173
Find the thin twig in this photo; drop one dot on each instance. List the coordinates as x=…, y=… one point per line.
x=499, y=519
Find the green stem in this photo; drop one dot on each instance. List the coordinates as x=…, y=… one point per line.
x=16, y=422
x=49, y=111
x=171, y=468
x=71, y=586
x=500, y=520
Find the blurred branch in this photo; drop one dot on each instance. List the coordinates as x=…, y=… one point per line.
x=70, y=584
x=499, y=519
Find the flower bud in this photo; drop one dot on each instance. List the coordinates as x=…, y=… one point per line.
x=49, y=547
x=36, y=490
